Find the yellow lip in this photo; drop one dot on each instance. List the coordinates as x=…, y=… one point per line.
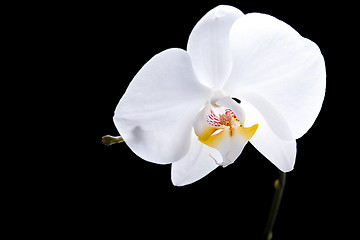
x=211, y=140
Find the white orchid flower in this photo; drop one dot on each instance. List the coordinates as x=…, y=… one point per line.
x=179, y=108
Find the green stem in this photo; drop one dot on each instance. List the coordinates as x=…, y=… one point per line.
x=279, y=185
x=110, y=140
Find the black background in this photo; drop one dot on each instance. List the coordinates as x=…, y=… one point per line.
x=90, y=53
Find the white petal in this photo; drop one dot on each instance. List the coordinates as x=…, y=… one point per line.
x=281, y=153
x=155, y=114
x=209, y=48
x=197, y=163
x=284, y=69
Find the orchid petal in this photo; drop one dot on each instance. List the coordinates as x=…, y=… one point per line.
x=196, y=164
x=209, y=48
x=280, y=152
x=155, y=115
x=281, y=73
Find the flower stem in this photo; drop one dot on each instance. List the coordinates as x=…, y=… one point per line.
x=110, y=140
x=279, y=185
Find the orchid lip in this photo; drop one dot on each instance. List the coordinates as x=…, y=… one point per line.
x=219, y=127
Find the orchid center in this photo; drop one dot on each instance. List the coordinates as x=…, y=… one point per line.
x=224, y=120
x=219, y=127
